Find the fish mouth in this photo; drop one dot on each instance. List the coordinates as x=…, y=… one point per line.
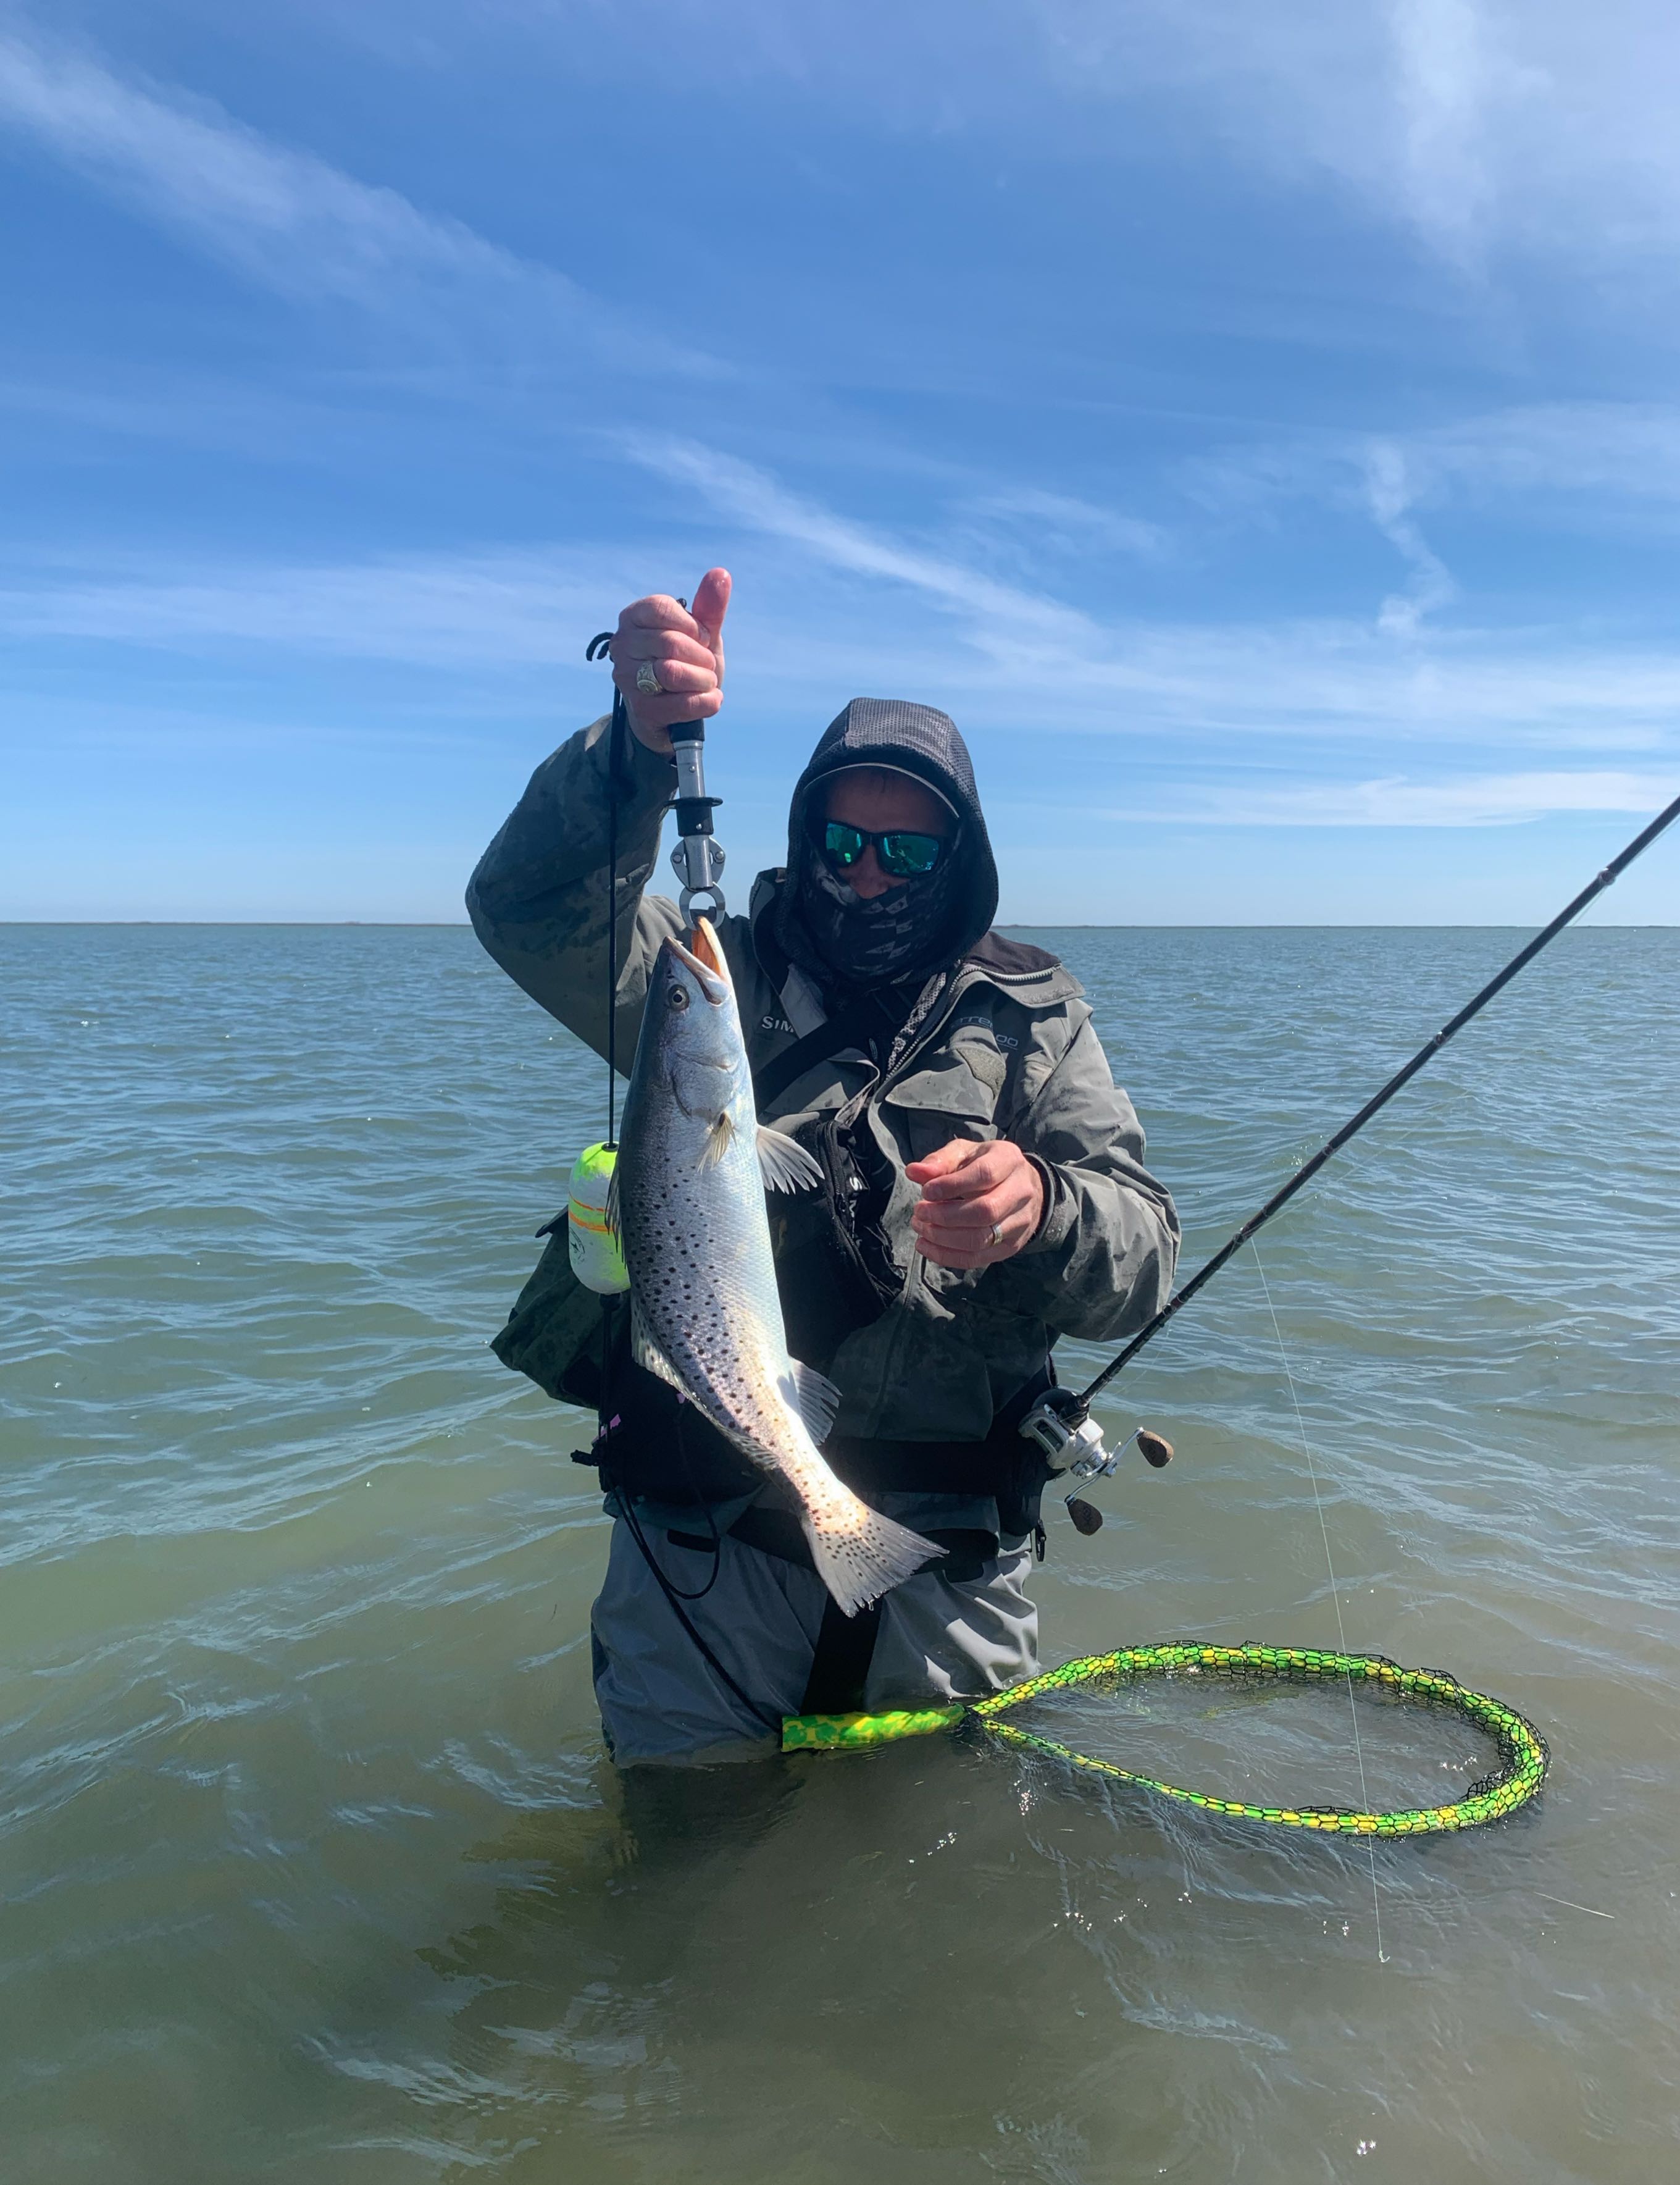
x=705, y=959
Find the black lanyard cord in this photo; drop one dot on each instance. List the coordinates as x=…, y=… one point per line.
x=613, y=746
x=760, y=1713
x=617, y=778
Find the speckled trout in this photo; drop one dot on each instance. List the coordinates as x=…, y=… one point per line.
x=687, y=1201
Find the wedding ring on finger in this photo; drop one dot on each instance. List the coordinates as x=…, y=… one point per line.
x=996, y=1236
x=647, y=680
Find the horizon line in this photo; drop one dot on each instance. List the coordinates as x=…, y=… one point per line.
x=1009, y=925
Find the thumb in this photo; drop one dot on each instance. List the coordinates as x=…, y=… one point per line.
x=948, y=1159
x=711, y=604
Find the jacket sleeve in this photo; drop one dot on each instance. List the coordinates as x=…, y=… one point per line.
x=1103, y=1261
x=538, y=898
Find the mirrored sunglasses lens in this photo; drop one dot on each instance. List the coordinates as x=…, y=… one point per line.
x=910, y=855
x=844, y=844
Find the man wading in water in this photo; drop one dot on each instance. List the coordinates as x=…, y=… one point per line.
x=985, y=1193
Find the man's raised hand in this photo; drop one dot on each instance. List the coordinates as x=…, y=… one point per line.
x=685, y=651
x=980, y=1203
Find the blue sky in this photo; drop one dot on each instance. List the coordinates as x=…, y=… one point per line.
x=1256, y=427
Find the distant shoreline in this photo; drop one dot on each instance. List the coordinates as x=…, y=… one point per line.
x=1014, y=925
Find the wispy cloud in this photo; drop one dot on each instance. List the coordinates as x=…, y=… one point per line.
x=1000, y=616
x=1313, y=677
x=1471, y=125
x=1061, y=520
x=1449, y=78
x=1496, y=800
x=1475, y=125
x=1013, y=658
x=1618, y=452
x=1610, y=466
x=288, y=220
x=470, y=612
x=1388, y=494
x=1483, y=130
x=283, y=216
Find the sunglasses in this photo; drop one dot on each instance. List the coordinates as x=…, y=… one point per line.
x=905, y=856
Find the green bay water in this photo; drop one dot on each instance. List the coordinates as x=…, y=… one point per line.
x=312, y=1866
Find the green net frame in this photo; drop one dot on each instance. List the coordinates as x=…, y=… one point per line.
x=1522, y=1769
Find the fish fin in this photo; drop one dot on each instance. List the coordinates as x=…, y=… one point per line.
x=784, y=1163
x=860, y=1555
x=647, y=1353
x=718, y=1140
x=815, y=1398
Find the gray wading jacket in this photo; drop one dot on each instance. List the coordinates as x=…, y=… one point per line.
x=1004, y=1048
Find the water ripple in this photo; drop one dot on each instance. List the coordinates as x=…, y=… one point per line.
x=313, y=1863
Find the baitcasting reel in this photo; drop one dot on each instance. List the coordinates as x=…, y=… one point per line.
x=1061, y=1428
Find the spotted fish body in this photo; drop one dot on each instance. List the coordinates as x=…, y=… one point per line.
x=705, y=1314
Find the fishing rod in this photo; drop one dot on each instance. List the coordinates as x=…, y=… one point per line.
x=1060, y=1422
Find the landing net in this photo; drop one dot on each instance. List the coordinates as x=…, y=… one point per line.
x=1523, y=1757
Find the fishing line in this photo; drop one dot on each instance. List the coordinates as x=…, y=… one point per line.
x=1071, y=1439
x=1075, y=1408
x=1330, y=1565
x=613, y=919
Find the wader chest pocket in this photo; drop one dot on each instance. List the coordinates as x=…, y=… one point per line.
x=948, y=1099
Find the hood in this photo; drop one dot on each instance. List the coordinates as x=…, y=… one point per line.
x=914, y=740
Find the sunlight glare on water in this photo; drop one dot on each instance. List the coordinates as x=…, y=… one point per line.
x=312, y=1864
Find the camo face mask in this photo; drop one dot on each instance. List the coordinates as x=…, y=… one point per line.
x=838, y=935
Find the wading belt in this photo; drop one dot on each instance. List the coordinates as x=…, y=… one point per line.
x=778, y=1532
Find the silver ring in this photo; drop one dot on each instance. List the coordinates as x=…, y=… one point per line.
x=647, y=679
x=996, y=1236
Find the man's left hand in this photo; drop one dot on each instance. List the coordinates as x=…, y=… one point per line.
x=969, y=1190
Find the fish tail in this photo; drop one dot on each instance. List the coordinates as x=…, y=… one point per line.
x=860, y=1555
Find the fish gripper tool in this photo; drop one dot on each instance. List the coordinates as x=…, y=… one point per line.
x=698, y=858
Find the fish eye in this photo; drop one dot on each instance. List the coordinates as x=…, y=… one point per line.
x=679, y=997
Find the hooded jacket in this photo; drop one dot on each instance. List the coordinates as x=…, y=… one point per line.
x=999, y=1042
x=946, y=914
